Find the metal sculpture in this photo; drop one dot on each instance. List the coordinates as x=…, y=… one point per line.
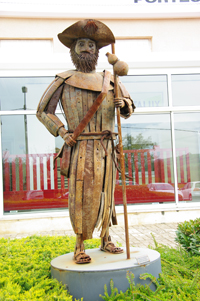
x=88, y=155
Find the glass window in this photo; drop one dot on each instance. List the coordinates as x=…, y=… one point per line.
x=187, y=140
x=148, y=90
x=30, y=179
x=21, y=93
x=148, y=160
x=186, y=89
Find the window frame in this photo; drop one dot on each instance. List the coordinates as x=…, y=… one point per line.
x=150, y=110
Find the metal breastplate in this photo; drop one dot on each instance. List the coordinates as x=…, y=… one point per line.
x=76, y=102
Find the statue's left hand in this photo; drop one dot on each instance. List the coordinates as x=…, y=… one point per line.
x=119, y=102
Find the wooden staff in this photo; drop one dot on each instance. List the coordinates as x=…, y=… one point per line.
x=121, y=162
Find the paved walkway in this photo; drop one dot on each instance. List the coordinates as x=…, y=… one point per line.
x=139, y=236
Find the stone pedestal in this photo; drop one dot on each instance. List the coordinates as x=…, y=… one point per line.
x=88, y=280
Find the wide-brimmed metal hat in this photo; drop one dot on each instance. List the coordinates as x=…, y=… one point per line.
x=90, y=29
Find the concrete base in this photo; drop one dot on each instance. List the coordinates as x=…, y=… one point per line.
x=88, y=280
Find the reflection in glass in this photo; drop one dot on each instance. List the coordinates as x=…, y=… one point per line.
x=12, y=95
x=187, y=140
x=148, y=160
x=147, y=90
x=185, y=89
x=30, y=181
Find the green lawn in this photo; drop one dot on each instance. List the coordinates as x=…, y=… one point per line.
x=25, y=272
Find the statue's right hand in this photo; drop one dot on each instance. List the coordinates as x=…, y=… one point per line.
x=69, y=140
x=67, y=137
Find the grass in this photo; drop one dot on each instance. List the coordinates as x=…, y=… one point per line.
x=25, y=267
x=25, y=272
x=179, y=280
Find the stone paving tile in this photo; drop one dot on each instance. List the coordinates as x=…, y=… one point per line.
x=18, y=236
x=8, y=236
x=172, y=225
x=44, y=233
x=139, y=235
x=140, y=228
x=69, y=232
x=153, y=229
x=133, y=231
x=165, y=226
x=54, y=232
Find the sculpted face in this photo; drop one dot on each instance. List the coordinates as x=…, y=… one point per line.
x=84, y=54
x=85, y=46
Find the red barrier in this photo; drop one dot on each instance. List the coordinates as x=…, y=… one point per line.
x=30, y=182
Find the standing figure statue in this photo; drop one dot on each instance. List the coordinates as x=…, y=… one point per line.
x=88, y=154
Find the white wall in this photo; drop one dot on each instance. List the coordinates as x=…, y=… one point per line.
x=172, y=43
x=170, y=33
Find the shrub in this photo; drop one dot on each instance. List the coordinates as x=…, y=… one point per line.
x=25, y=272
x=188, y=236
x=179, y=280
x=25, y=267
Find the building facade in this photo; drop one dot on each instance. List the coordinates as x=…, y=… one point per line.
x=160, y=41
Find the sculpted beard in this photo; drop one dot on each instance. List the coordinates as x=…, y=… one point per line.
x=85, y=62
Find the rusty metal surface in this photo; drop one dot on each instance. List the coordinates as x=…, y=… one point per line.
x=72, y=184
x=79, y=104
x=92, y=108
x=88, y=163
x=87, y=81
x=89, y=209
x=66, y=158
x=108, y=111
x=51, y=107
x=47, y=95
x=49, y=123
x=107, y=189
x=78, y=207
x=93, y=136
x=122, y=163
x=101, y=210
x=91, y=100
x=73, y=118
x=98, y=178
x=99, y=119
x=113, y=215
x=91, y=29
x=87, y=100
x=81, y=161
x=90, y=173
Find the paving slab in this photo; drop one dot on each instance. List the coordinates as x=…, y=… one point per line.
x=139, y=235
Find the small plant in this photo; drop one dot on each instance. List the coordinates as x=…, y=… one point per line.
x=179, y=280
x=25, y=273
x=134, y=292
x=188, y=236
x=25, y=267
